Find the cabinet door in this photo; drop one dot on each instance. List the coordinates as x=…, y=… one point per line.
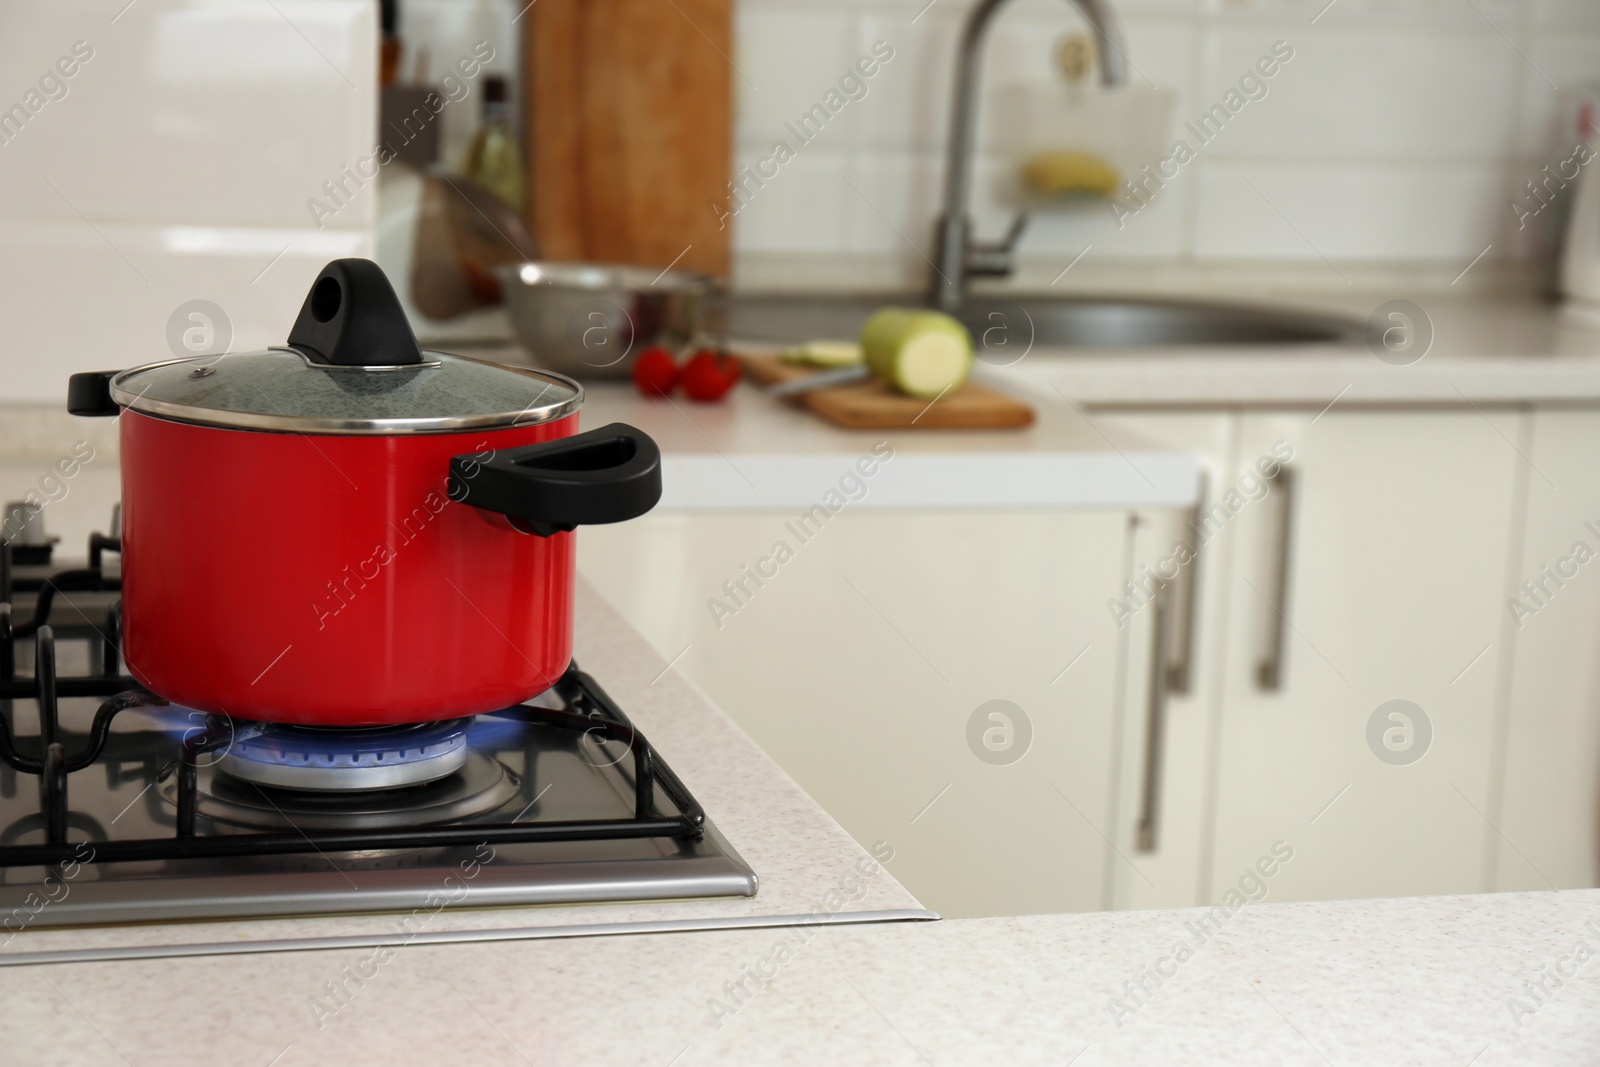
x=1169, y=746
x=1373, y=573
x=1551, y=810
x=869, y=667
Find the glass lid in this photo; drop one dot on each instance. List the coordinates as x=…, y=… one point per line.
x=281, y=389
x=352, y=366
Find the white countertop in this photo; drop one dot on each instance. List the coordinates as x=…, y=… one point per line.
x=1420, y=981
x=1498, y=337
x=1491, y=347
x=1487, y=350
x=754, y=453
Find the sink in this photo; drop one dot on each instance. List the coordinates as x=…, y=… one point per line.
x=1006, y=324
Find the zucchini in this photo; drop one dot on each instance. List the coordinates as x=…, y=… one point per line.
x=921, y=353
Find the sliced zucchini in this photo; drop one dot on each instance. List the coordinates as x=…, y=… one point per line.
x=824, y=353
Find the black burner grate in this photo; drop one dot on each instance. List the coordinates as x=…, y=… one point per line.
x=587, y=710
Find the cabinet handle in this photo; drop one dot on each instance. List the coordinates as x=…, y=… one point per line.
x=1270, y=672
x=1180, y=675
x=1155, y=729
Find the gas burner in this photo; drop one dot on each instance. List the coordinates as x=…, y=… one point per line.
x=328, y=759
x=179, y=814
x=479, y=784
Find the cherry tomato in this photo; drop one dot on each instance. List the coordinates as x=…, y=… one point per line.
x=655, y=372
x=709, y=375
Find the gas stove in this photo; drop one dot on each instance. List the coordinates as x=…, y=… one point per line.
x=116, y=806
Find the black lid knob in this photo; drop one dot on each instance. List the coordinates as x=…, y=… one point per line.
x=352, y=318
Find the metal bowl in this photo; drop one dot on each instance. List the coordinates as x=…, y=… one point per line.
x=590, y=320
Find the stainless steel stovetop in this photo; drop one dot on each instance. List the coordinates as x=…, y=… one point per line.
x=513, y=774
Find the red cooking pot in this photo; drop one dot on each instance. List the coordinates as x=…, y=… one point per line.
x=347, y=531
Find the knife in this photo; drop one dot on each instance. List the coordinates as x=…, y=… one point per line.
x=827, y=379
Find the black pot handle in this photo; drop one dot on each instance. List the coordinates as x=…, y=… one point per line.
x=605, y=475
x=89, y=393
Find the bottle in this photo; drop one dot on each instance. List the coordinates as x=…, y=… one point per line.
x=391, y=47
x=493, y=157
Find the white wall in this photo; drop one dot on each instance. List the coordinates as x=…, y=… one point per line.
x=177, y=166
x=1400, y=131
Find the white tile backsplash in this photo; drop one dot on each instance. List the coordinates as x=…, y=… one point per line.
x=1566, y=14
x=1389, y=12
x=792, y=56
x=910, y=105
x=200, y=113
x=892, y=199
x=1409, y=93
x=1397, y=132
x=803, y=209
x=175, y=165
x=1556, y=62
x=79, y=297
x=1284, y=210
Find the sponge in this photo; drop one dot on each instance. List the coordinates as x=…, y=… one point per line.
x=1068, y=174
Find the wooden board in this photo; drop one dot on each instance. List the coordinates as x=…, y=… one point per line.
x=630, y=130
x=874, y=405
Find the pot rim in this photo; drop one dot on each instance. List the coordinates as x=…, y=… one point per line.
x=220, y=418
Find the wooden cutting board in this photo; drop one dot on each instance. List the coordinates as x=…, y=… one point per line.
x=630, y=130
x=874, y=405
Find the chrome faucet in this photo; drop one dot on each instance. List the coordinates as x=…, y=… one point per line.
x=958, y=256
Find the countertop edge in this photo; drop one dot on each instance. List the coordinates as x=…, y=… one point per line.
x=195, y=949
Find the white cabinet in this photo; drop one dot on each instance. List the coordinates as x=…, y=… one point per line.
x=861, y=663
x=1390, y=568
x=1550, y=815
x=1377, y=569
x=1168, y=748
x=1392, y=559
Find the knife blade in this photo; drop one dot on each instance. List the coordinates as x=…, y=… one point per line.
x=827, y=379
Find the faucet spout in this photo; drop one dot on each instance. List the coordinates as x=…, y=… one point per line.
x=955, y=254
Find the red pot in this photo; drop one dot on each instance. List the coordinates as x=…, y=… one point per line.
x=350, y=532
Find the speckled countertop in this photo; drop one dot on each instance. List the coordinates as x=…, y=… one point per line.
x=1421, y=981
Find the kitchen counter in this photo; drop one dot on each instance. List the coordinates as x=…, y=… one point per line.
x=806, y=863
x=1486, y=350
x=1490, y=347
x=753, y=453
x=1493, y=345
x=1449, y=980
x=1498, y=339
x=748, y=453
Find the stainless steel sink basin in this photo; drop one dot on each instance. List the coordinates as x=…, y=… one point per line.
x=1011, y=326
